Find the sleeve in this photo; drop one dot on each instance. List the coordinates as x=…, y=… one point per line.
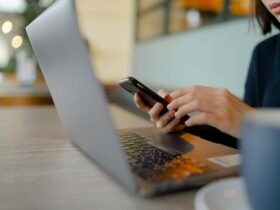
x=213, y=134
x=251, y=87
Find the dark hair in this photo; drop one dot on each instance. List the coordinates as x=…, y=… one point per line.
x=264, y=17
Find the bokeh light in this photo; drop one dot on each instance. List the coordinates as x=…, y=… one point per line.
x=7, y=27
x=17, y=42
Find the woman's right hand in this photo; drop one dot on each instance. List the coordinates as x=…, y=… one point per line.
x=166, y=122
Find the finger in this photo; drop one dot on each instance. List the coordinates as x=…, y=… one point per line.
x=165, y=95
x=195, y=106
x=178, y=102
x=201, y=97
x=202, y=119
x=195, y=89
x=164, y=119
x=155, y=111
x=180, y=92
x=172, y=125
x=140, y=104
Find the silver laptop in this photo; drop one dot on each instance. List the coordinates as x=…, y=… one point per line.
x=142, y=160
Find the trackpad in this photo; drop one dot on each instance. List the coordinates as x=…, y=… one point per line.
x=172, y=143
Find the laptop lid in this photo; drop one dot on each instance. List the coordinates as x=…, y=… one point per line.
x=77, y=94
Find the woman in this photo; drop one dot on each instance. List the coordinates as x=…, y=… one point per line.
x=218, y=107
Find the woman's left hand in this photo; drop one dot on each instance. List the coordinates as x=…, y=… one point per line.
x=215, y=106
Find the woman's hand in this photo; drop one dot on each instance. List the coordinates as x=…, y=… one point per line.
x=166, y=122
x=216, y=107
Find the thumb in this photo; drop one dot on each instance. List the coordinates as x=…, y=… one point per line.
x=165, y=94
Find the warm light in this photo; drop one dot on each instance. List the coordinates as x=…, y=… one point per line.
x=7, y=27
x=17, y=42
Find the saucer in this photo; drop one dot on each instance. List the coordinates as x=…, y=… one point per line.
x=225, y=194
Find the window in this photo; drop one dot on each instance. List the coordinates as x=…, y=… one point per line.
x=161, y=17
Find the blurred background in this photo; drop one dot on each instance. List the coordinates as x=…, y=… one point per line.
x=164, y=43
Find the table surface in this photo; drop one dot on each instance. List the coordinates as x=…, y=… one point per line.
x=10, y=87
x=41, y=169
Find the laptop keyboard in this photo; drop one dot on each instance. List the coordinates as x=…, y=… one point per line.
x=141, y=155
x=156, y=165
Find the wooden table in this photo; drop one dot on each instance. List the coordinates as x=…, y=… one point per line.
x=31, y=95
x=40, y=169
x=14, y=94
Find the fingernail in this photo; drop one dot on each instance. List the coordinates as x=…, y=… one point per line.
x=187, y=123
x=169, y=106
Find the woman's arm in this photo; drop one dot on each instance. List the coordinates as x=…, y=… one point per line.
x=215, y=107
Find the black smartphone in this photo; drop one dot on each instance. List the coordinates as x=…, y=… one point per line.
x=148, y=96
